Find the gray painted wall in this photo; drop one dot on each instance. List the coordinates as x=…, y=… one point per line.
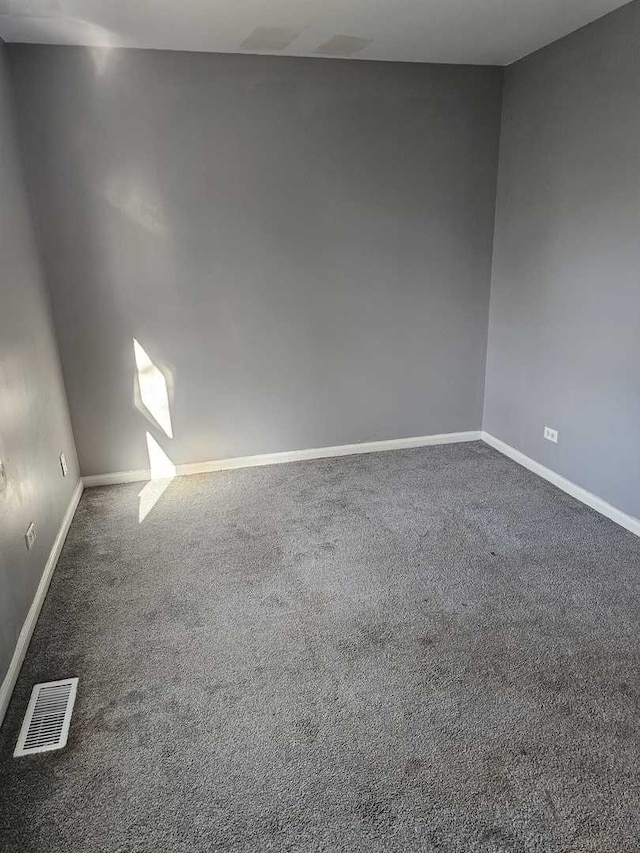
x=564, y=341
x=303, y=247
x=34, y=420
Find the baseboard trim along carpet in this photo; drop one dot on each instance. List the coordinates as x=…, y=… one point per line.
x=24, y=637
x=286, y=456
x=622, y=518
x=629, y=522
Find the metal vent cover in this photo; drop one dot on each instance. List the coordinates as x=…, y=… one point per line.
x=46, y=724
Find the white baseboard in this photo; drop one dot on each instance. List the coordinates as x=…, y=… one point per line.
x=287, y=456
x=586, y=497
x=6, y=689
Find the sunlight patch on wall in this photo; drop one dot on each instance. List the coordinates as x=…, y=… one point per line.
x=162, y=473
x=152, y=399
x=135, y=203
x=100, y=57
x=159, y=463
x=154, y=394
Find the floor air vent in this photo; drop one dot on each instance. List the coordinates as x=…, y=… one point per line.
x=46, y=723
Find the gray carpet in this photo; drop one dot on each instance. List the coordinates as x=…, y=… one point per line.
x=422, y=650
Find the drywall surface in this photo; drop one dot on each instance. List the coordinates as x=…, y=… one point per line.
x=301, y=247
x=564, y=339
x=34, y=420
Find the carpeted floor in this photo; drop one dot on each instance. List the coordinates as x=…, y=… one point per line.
x=422, y=650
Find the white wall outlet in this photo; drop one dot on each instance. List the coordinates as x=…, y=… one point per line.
x=30, y=536
x=63, y=465
x=3, y=477
x=551, y=434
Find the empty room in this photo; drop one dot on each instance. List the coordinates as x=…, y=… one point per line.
x=320, y=426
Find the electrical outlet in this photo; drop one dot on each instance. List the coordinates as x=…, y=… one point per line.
x=30, y=536
x=63, y=465
x=551, y=434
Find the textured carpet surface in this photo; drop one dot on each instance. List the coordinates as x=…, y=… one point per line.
x=423, y=650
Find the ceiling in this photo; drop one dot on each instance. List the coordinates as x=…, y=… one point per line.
x=487, y=32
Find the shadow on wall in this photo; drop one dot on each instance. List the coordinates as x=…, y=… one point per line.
x=152, y=390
